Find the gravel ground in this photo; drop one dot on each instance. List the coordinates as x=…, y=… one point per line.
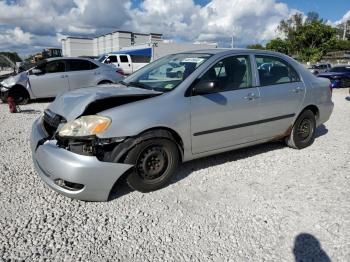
x=265, y=203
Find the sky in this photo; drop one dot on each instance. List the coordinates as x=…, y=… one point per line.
x=28, y=26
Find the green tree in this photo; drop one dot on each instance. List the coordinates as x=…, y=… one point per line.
x=13, y=56
x=308, y=39
x=279, y=45
x=256, y=46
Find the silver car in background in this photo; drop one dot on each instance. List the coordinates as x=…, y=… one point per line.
x=144, y=127
x=56, y=75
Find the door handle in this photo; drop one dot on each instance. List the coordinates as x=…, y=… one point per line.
x=298, y=90
x=129, y=65
x=251, y=96
x=63, y=76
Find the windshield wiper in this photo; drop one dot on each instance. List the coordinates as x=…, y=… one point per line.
x=123, y=83
x=140, y=85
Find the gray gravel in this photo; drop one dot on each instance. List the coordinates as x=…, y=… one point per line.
x=255, y=204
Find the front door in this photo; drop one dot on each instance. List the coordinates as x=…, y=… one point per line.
x=281, y=95
x=226, y=117
x=52, y=81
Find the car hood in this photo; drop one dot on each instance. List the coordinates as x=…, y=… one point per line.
x=73, y=104
x=20, y=78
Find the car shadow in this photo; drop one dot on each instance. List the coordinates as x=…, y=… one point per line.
x=30, y=111
x=184, y=170
x=43, y=100
x=308, y=248
x=321, y=131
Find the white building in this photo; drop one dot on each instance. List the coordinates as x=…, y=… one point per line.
x=81, y=46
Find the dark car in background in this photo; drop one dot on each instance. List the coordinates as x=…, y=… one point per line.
x=338, y=75
x=320, y=68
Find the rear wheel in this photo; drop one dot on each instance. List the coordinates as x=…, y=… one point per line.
x=155, y=160
x=303, y=132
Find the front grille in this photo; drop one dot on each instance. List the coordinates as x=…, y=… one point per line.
x=51, y=122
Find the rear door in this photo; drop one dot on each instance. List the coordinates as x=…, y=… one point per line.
x=227, y=117
x=281, y=95
x=52, y=81
x=125, y=64
x=81, y=73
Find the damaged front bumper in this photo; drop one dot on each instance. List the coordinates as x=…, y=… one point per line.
x=73, y=175
x=4, y=91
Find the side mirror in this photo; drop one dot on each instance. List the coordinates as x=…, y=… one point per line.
x=205, y=87
x=108, y=61
x=36, y=71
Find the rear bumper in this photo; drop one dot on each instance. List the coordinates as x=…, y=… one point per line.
x=325, y=113
x=55, y=164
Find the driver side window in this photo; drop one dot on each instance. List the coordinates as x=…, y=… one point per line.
x=55, y=67
x=231, y=73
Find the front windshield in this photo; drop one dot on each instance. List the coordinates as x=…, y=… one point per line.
x=340, y=69
x=101, y=58
x=166, y=73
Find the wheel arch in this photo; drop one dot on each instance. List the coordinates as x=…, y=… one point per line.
x=104, y=81
x=314, y=109
x=177, y=138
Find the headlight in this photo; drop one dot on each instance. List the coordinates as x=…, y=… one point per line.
x=4, y=89
x=85, y=126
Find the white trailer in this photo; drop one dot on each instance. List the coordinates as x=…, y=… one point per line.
x=129, y=59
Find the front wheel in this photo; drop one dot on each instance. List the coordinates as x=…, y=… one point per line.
x=19, y=95
x=303, y=132
x=155, y=160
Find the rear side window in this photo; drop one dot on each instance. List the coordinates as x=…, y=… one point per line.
x=80, y=65
x=140, y=59
x=231, y=73
x=274, y=71
x=55, y=67
x=124, y=59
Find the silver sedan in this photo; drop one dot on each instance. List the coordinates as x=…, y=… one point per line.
x=56, y=75
x=144, y=127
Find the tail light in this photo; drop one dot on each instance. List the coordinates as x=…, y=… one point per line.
x=120, y=71
x=331, y=87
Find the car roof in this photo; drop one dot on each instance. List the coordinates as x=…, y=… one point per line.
x=69, y=58
x=215, y=51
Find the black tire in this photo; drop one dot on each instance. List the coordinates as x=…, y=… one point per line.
x=303, y=132
x=155, y=160
x=19, y=95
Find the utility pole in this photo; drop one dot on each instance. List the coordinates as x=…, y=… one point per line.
x=232, y=41
x=345, y=29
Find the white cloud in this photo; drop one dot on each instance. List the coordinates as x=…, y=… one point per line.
x=248, y=20
x=10, y=37
x=28, y=25
x=345, y=18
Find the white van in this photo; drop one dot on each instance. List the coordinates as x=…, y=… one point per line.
x=128, y=63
